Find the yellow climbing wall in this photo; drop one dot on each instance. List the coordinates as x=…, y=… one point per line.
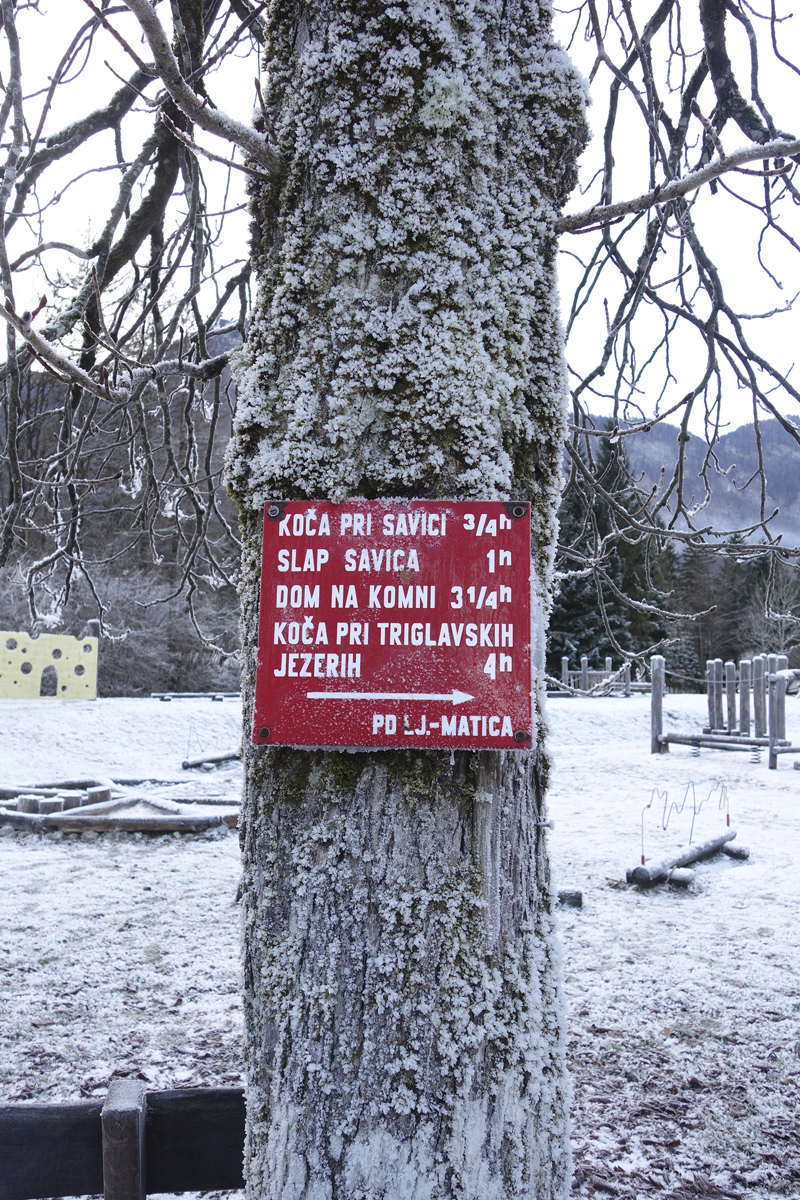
x=24, y=658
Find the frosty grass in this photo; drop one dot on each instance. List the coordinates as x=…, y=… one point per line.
x=121, y=956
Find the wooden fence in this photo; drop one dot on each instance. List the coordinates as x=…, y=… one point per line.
x=125, y=1147
x=759, y=685
x=608, y=682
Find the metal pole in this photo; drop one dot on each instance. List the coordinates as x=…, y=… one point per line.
x=744, y=697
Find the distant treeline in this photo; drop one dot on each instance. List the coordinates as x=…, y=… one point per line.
x=683, y=580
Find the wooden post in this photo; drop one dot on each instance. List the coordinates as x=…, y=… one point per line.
x=609, y=667
x=759, y=698
x=123, y=1118
x=627, y=677
x=718, y=721
x=744, y=697
x=772, y=664
x=657, y=705
x=565, y=670
x=730, y=695
x=773, y=721
x=584, y=673
x=710, y=686
x=783, y=665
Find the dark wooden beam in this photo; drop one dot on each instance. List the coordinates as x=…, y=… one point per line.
x=193, y=1141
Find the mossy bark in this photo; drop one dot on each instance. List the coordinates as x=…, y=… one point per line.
x=403, y=1015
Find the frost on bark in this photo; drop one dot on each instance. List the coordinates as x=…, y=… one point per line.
x=403, y=1009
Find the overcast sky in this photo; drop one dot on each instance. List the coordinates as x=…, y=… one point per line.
x=730, y=229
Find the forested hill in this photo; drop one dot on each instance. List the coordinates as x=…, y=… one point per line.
x=733, y=504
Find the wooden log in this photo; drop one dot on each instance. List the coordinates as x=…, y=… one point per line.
x=730, y=695
x=51, y=804
x=211, y=758
x=710, y=690
x=69, y=823
x=777, y=693
x=123, y=1118
x=782, y=665
x=72, y=785
x=680, y=876
x=195, y=695
x=28, y=822
x=759, y=705
x=51, y=1150
x=713, y=743
x=11, y=793
x=28, y=804
x=98, y=794
x=740, y=852
x=657, y=745
x=718, y=718
x=744, y=696
x=657, y=872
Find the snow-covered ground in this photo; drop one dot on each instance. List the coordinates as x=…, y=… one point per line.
x=121, y=954
x=684, y=1007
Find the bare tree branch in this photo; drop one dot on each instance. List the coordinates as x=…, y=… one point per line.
x=673, y=190
x=190, y=104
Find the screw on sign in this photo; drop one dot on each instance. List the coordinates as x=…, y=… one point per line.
x=395, y=623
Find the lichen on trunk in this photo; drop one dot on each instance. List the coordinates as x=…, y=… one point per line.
x=403, y=1013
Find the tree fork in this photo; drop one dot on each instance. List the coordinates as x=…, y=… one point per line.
x=404, y=1023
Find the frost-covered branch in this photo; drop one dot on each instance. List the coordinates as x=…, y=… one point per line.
x=663, y=193
x=194, y=106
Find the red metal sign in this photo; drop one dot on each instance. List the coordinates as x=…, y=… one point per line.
x=392, y=623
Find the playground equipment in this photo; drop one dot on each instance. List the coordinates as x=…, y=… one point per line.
x=25, y=659
x=768, y=675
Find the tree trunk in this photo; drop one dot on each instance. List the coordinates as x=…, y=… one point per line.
x=404, y=1025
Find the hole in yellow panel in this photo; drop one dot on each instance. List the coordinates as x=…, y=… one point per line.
x=49, y=682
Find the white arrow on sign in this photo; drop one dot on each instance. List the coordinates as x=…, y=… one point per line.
x=455, y=696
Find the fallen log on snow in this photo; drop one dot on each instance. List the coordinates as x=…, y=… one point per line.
x=657, y=872
x=740, y=852
x=211, y=758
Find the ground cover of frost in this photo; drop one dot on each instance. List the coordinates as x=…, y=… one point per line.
x=684, y=1006
x=120, y=955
